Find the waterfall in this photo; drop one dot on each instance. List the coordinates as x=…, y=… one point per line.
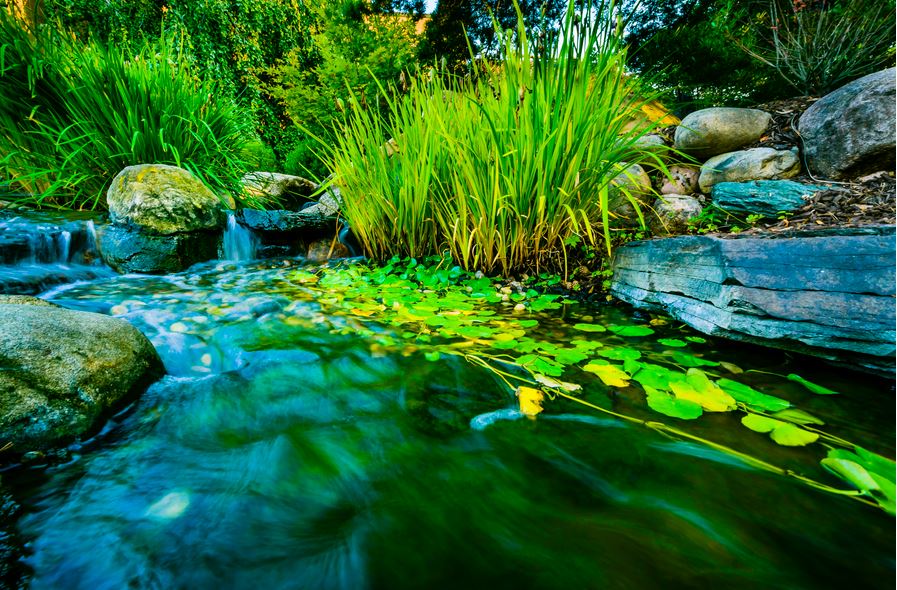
x=239, y=243
x=63, y=246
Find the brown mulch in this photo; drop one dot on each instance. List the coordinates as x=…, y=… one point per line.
x=782, y=133
x=869, y=200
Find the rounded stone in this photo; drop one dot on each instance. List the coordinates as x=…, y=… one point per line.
x=163, y=200
x=718, y=130
x=64, y=371
x=850, y=131
x=278, y=191
x=673, y=212
x=632, y=184
x=752, y=164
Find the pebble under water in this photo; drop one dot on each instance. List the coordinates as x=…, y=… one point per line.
x=286, y=449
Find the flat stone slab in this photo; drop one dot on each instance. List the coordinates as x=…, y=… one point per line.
x=763, y=197
x=826, y=293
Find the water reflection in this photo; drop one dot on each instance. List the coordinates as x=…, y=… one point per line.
x=279, y=455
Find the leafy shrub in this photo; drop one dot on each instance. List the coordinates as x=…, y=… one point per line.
x=73, y=114
x=355, y=48
x=818, y=45
x=235, y=43
x=685, y=49
x=501, y=168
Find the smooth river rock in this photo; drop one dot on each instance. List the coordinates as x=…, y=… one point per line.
x=64, y=371
x=163, y=200
x=851, y=131
x=633, y=183
x=753, y=164
x=672, y=213
x=763, y=197
x=718, y=130
x=828, y=293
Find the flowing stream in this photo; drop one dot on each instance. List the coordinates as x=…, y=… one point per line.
x=286, y=449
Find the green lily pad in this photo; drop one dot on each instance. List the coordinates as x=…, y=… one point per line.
x=631, y=331
x=672, y=342
x=668, y=405
x=783, y=433
x=751, y=397
x=797, y=416
x=589, y=327
x=620, y=354
x=817, y=389
x=690, y=360
x=609, y=374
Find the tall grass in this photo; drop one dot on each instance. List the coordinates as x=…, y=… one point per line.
x=503, y=167
x=74, y=113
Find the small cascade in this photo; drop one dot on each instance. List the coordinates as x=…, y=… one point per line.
x=40, y=250
x=239, y=243
x=63, y=246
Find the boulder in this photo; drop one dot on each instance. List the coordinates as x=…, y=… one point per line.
x=278, y=191
x=64, y=370
x=632, y=183
x=827, y=293
x=714, y=131
x=328, y=204
x=763, y=197
x=163, y=200
x=683, y=180
x=130, y=250
x=673, y=212
x=851, y=131
x=752, y=164
x=289, y=222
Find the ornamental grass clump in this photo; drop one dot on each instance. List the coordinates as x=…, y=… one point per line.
x=504, y=167
x=73, y=114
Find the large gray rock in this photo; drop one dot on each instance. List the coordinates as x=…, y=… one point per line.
x=278, y=191
x=163, y=200
x=709, y=132
x=828, y=293
x=753, y=164
x=851, y=131
x=130, y=250
x=763, y=197
x=64, y=370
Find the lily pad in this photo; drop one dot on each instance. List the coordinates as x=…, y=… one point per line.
x=783, y=433
x=631, y=331
x=751, y=397
x=609, y=374
x=589, y=328
x=674, y=407
x=672, y=342
x=817, y=389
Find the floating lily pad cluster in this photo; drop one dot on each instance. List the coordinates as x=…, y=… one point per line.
x=441, y=310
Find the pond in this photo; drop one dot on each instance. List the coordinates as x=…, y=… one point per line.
x=333, y=427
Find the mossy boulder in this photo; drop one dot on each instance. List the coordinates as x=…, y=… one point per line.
x=63, y=371
x=163, y=200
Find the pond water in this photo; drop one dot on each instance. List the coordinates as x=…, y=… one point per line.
x=300, y=440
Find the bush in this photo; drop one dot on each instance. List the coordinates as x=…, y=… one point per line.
x=355, y=47
x=817, y=46
x=73, y=114
x=235, y=43
x=503, y=169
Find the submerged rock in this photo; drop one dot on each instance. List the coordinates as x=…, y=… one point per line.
x=714, y=131
x=828, y=293
x=752, y=164
x=851, y=131
x=64, y=371
x=279, y=221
